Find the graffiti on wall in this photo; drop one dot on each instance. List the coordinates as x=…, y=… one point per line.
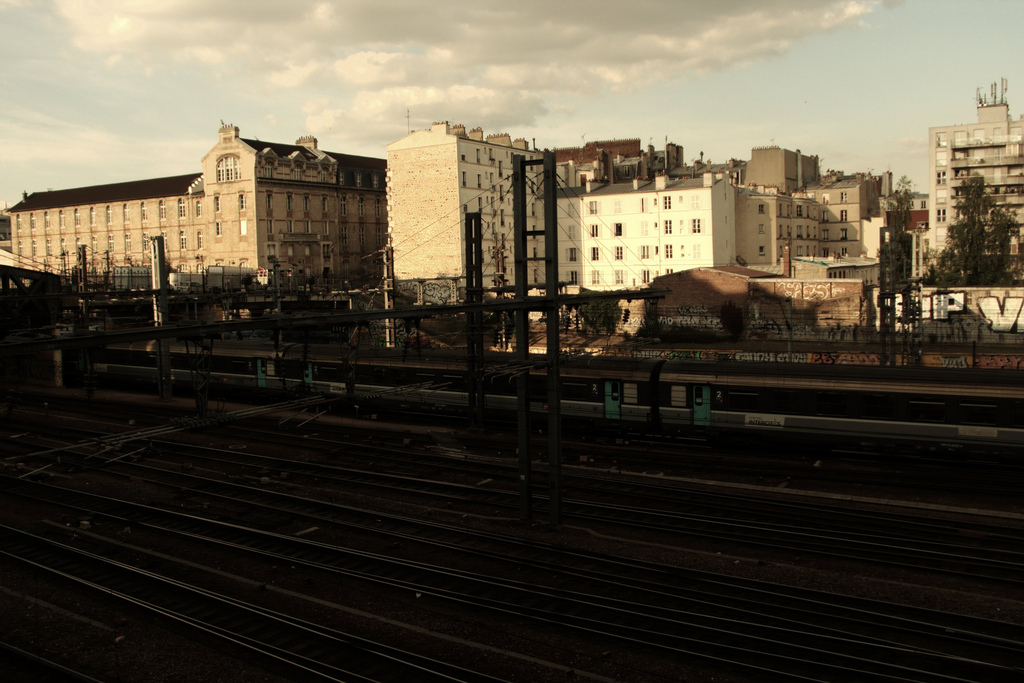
x=1002, y=315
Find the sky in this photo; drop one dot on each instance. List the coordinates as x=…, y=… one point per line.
x=103, y=91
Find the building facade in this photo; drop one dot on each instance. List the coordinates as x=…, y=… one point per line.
x=623, y=235
x=436, y=177
x=318, y=214
x=990, y=148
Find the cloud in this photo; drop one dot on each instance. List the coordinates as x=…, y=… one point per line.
x=531, y=44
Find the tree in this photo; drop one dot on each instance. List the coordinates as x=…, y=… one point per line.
x=601, y=316
x=902, y=239
x=977, y=249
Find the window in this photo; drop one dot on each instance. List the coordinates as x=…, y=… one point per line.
x=595, y=253
x=571, y=255
x=218, y=230
x=92, y=215
x=124, y=214
x=344, y=205
x=668, y=227
x=842, y=233
x=227, y=170
x=799, y=211
x=47, y=252
x=241, y=202
x=645, y=251
x=60, y=219
x=760, y=208
x=593, y=208
x=645, y=276
x=668, y=251
x=109, y=215
x=618, y=253
x=595, y=277
x=216, y=203
x=359, y=205
x=199, y=208
x=110, y=244
x=574, y=277
x=375, y=178
x=619, y=277
x=800, y=250
x=694, y=201
x=843, y=197
x=760, y=250
x=760, y=229
x=325, y=250
x=182, y=240
x=595, y=231
x=696, y=251
x=127, y=243
x=666, y=202
x=78, y=218
x=940, y=179
x=644, y=229
x=618, y=229
x=181, y=208
x=199, y=239
x=377, y=210
x=288, y=202
x=825, y=197
x=309, y=227
x=843, y=215
x=161, y=209
x=800, y=232
x=479, y=181
x=291, y=226
x=940, y=215
x=142, y=211
x=695, y=226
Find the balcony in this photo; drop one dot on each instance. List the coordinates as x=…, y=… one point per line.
x=984, y=142
x=987, y=161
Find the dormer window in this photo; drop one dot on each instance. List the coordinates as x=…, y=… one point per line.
x=228, y=170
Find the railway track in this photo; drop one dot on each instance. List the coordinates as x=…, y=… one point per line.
x=760, y=628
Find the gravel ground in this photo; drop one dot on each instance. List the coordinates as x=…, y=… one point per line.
x=84, y=632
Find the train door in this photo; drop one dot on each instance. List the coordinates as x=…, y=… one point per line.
x=612, y=399
x=261, y=372
x=307, y=373
x=701, y=405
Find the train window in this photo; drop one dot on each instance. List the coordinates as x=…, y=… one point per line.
x=1017, y=413
x=926, y=410
x=742, y=400
x=629, y=392
x=678, y=395
x=575, y=391
x=830, y=403
x=978, y=414
x=785, y=401
x=879, y=406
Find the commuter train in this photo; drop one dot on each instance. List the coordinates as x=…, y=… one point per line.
x=853, y=406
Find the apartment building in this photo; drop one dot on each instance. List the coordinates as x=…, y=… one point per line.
x=848, y=205
x=990, y=148
x=317, y=213
x=623, y=235
x=436, y=177
x=768, y=220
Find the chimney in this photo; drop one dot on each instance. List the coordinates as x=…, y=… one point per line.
x=307, y=141
x=636, y=183
x=589, y=185
x=709, y=179
x=659, y=181
x=787, y=263
x=228, y=132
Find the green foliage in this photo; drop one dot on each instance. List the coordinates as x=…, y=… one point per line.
x=899, y=223
x=601, y=316
x=977, y=249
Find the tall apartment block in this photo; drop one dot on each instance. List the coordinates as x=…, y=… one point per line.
x=990, y=148
x=436, y=177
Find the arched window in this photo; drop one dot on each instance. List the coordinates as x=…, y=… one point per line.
x=228, y=170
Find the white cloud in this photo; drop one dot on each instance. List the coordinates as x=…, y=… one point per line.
x=532, y=44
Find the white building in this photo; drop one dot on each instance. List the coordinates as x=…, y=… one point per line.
x=990, y=148
x=436, y=177
x=622, y=235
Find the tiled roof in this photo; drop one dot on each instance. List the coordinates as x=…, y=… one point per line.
x=116, y=192
x=344, y=160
